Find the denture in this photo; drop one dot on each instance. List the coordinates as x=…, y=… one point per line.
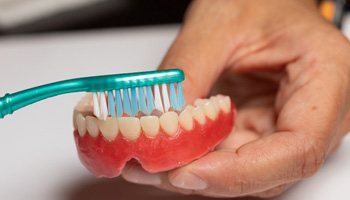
x=159, y=142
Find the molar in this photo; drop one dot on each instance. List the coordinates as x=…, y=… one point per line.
x=150, y=125
x=185, y=119
x=109, y=128
x=225, y=103
x=129, y=127
x=215, y=101
x=91, y=126
x=198, y=115
x=169, y=122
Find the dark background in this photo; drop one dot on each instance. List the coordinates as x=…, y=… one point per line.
x=112, y=13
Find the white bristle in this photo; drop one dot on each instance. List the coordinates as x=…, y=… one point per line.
x=96, y=104
x=165, y=95
x=103, y=106
x=158, y=99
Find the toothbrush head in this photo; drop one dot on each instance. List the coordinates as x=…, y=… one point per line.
x=141, y=94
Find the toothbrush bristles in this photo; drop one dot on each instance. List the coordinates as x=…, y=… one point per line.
x=132, y=101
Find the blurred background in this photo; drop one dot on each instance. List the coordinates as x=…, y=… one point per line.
x=37, y=151
x=37, y=16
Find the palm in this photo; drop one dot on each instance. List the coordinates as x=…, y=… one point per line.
x=254, y=96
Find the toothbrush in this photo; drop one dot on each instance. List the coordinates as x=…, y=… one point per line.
x=105, y=88
x=141, y=116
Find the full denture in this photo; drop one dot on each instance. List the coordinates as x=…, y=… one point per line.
x=159, y=143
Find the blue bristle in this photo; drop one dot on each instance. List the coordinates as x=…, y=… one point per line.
x=173, y=97
x=118, y=102
x=142, y=101
x=150, y=102
x=181, y=98
x=111, y=104
x=126, y=101
x=134, y=105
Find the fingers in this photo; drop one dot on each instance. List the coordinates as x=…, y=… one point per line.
x=274, y=191
x=199, y=51
x=134, y=173
x=259, y=166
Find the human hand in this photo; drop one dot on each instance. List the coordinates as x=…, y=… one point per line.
x=288, y=72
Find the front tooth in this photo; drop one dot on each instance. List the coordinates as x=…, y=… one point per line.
x=150, y=125
x=80, y=122
x=210, y=110
x=169, y=122
x=198, y=115
x=185, y=119
x=91, y=126
x=109, y=128
x=129, y=127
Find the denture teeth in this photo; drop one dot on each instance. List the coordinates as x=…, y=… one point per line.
x=129, y=127
x=228, y=102
x=91, y=126
x=109, y=128
x=215, y=101
x=198, y=115
x=169, y=122
x=80, y=122
x=185, y=119
x=225, y=103
x=199, y=102
x=75, y=113
x=210, y=110
x=150, y=125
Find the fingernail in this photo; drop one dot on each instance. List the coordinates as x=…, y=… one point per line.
x=141, y=177
x=189, y=181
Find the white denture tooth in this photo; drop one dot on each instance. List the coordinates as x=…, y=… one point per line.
x=169, y=122
x=225, y=103
x=150, y=125
x=189, y=107
x=199, y=102
x=81, y=124
x=210, y=110
x=186, y=120
x=129, y=127
x=92, y=126
x=75, y=113
x=109, y=128
x=198, y=115
x=228, y=101
x=215, y=102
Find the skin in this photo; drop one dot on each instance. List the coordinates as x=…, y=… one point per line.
x=288, y=71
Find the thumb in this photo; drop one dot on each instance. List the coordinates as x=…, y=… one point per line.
x=200, y=56
x=255, y=167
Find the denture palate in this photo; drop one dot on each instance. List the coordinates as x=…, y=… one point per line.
x=132, y=127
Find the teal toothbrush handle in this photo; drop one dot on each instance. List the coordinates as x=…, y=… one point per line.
x=12, y=102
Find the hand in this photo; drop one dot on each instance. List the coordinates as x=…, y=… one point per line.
x=288, y=71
